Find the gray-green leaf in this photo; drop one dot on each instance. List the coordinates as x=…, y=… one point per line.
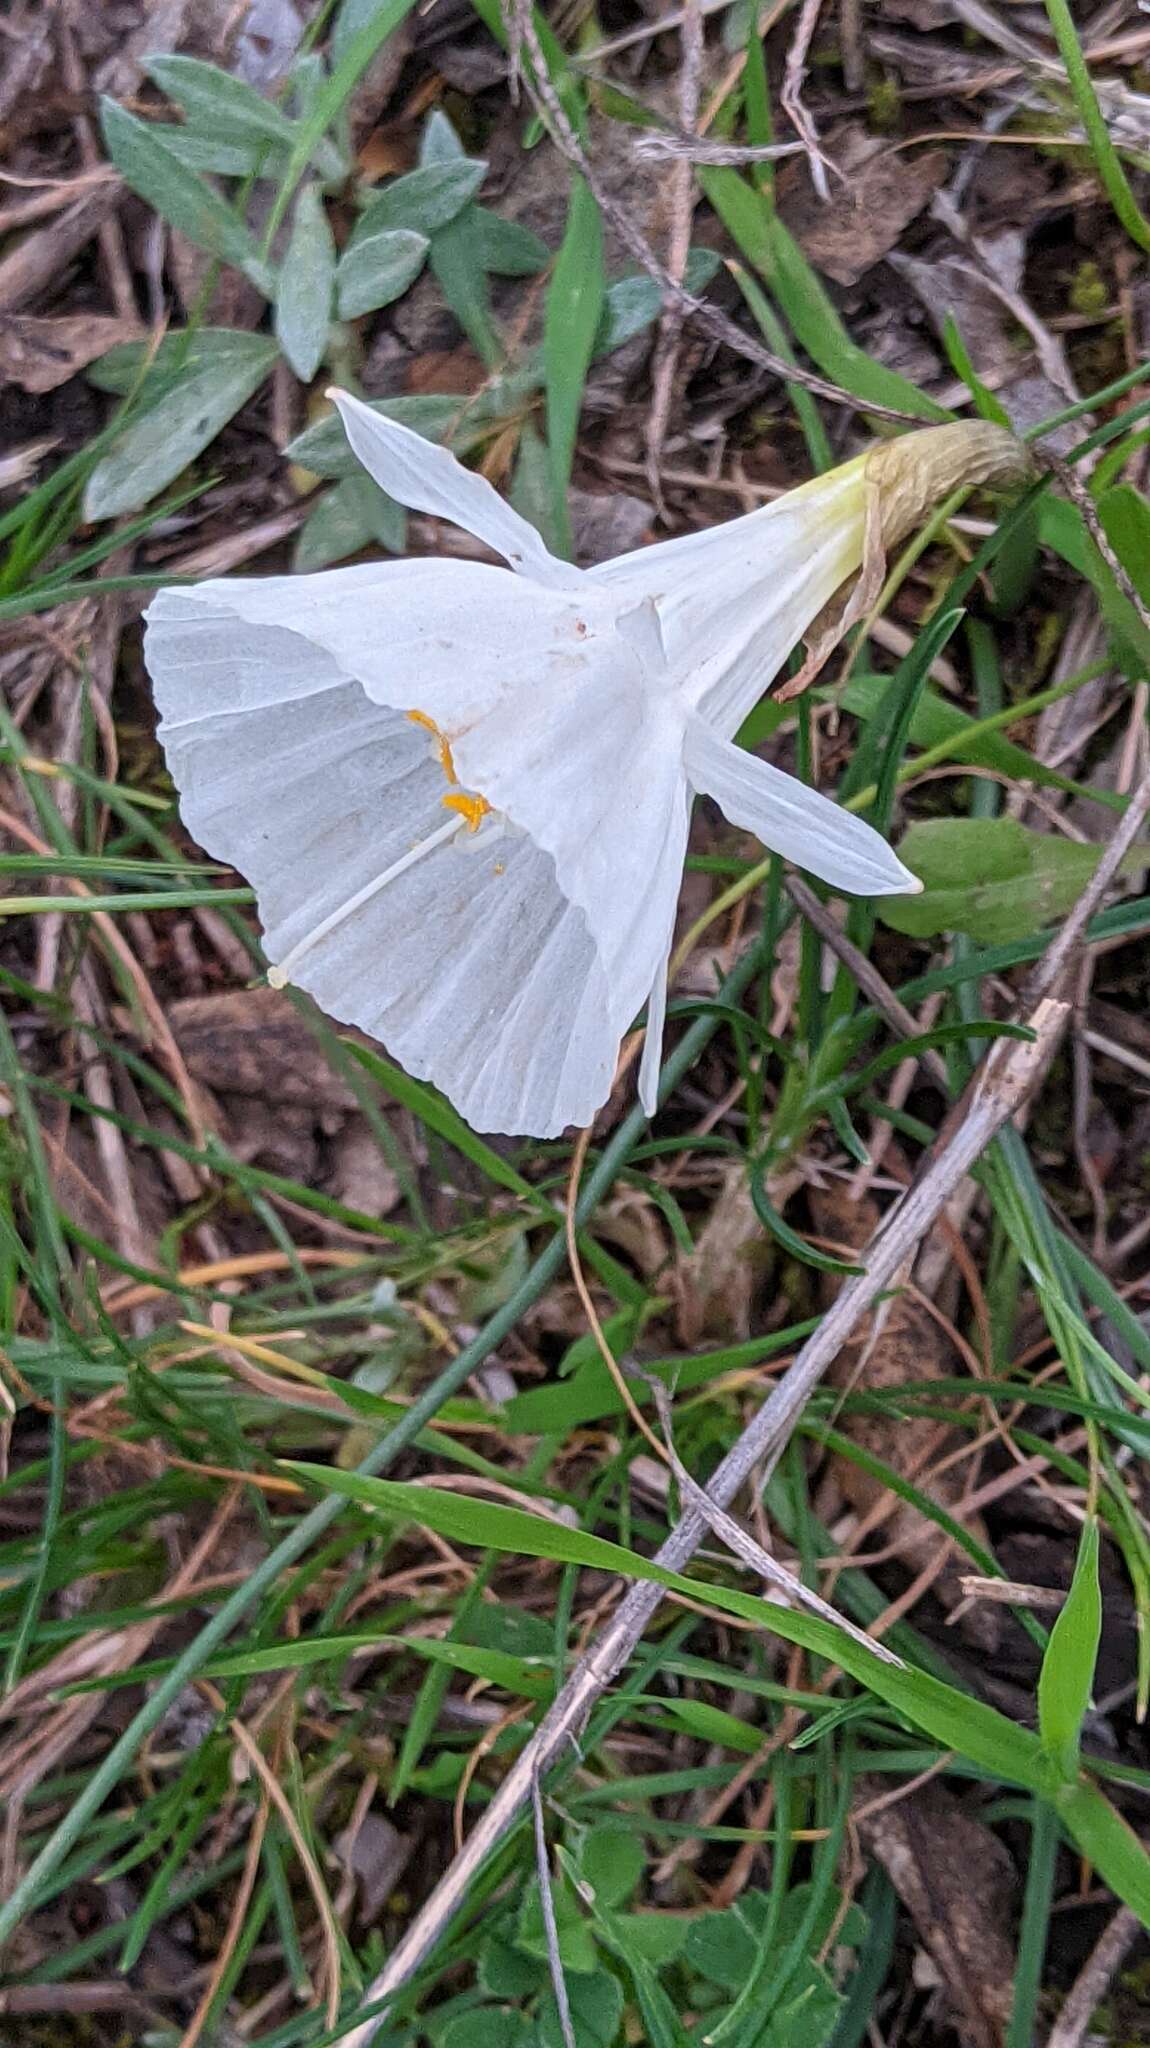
x=304, y=288
x=379, y=269
x=178, y=354
x=425, y=199
x=506, y=246
x=632, y=303
x=352, y=515
x=452, y=417
x=216, y=103
x=172, y=432
x=144, y=161
x=221, y=107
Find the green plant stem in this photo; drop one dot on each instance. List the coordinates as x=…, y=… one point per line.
x=1032, y=1936
x=320, y=1518
x=1091, y=116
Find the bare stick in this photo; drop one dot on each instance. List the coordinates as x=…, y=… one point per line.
x=999, y=1088
x=1093, y=1980
x=662, y=143
x=666, y=359
x=550, y=1924
x=792, y=95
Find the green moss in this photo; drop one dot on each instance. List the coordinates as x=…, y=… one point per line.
x=884, y=103
x=1089, y=292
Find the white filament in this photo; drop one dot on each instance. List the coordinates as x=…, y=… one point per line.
x=278, y=977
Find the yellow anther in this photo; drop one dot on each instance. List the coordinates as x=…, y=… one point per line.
x=442, y=746
x=473, y=808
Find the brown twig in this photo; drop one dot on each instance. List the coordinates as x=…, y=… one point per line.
x=792, y=95
x=1094, y=1980
x=683, y=197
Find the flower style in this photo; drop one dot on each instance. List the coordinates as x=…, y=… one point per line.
x=462, y=796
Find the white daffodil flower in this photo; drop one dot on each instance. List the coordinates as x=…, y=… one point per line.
x=462, y=795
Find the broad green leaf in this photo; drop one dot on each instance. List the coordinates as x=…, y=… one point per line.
x=1067, y=1675
x=571, y=321
x=378, y=270
x=484, y=2026
x=990, y=878
x=144, y=161
x=505, y=1973
x=765, y=242
x=217, y=103
x=438, y=1115
x=662, y=2027
x=658, y=1937
x=506, y=246
x=352, y=18
x=179, y=426
x=179, y=354
x=354, y=514
x=632, y=303
x=596, y=2010
x=423, y=201
x=611, y=1860
x=304, y=286
x=577, y=1949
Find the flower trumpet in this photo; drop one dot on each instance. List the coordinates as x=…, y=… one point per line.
x=462, y=796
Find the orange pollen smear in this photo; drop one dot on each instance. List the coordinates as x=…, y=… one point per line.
x=443, y=744
x=473, y=808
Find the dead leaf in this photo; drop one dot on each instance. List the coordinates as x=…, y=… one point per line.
x=253, y=1041
x=605, y=524
x=360, y=1177
x=959, y=1886
x=38, y=260
x=375, y=1855
x=718, y=1283
x=880, y=193
x=39, y=354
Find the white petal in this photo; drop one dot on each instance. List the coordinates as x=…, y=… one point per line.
x=428, y=478
x=734, y=600
x=794, y=820
x=450, y=639
x=594, y=775
x=651, y=1061
x=472, y=967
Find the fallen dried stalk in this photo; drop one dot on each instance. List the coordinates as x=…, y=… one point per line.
x=1094, y=1979
x=1001, y=1085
